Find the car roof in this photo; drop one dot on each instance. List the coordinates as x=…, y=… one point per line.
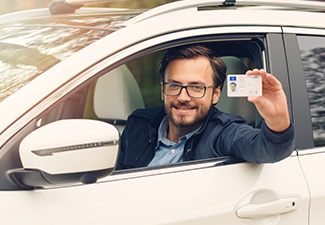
x=200, y=5
x=182, y=8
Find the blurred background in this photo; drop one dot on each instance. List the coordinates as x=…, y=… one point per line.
x=7, y=6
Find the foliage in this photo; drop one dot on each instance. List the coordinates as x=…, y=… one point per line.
x=145, y=71
x=8, y=6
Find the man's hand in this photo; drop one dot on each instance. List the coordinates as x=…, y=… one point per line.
x=272, y=105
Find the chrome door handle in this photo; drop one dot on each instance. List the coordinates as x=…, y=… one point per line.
x=268, y=209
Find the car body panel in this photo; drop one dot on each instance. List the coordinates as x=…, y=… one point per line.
x=296, y=30
x=299, y=98
x=312, y=162
x=119, y=199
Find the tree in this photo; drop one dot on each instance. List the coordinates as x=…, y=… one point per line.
x=7, y=6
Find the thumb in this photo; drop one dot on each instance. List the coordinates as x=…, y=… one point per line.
x=258, y=102
x=253, y=99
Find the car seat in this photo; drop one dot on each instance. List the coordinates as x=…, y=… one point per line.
x=236, y=105
x=116, y=96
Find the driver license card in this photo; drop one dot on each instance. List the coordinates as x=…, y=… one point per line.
x=244, y=85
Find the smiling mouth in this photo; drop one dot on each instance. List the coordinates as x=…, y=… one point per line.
x=184, y=108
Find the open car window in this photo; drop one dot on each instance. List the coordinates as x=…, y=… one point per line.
x=136, y=84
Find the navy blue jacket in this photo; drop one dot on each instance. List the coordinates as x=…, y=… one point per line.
x=221, y=135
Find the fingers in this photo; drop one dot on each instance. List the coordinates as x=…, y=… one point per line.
x=261, y=72
x=253, y=99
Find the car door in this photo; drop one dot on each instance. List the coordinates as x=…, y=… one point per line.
x=306, y=47
x=211, y=191
x=205, y=193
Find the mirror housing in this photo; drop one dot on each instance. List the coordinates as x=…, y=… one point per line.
x=67, y=151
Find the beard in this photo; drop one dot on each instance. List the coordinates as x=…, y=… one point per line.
x=183, y=121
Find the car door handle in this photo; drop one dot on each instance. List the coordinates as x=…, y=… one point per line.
x=268, y=209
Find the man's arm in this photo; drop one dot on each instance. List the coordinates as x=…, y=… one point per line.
x=255, y=145
x=272, y=105
x=275, y=140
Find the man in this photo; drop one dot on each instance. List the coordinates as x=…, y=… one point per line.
x=233, y=86
x=189, y=127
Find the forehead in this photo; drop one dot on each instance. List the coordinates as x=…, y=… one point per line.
x=186, y=71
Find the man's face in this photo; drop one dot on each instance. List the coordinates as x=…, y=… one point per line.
x=233, y=87
x=182, y=110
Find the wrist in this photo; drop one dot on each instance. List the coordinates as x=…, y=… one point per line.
x=278, y=125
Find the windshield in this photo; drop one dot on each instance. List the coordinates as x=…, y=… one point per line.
x=30, y=47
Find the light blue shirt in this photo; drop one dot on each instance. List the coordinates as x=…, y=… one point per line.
x=167, y=151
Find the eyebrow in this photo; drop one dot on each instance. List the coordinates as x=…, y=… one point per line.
x=194, y=82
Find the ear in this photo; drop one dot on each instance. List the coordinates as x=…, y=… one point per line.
x=216, y=95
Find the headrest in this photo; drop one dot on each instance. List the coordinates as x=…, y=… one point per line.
x=117, y=95
x=236, y=105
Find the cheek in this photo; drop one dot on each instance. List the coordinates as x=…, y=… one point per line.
x=168, y=100
x=202, y=103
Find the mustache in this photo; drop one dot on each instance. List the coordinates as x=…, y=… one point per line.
x=178, y=105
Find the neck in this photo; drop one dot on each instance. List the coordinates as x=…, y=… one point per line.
x=175, y=133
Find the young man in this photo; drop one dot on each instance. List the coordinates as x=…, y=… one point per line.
x=233, y=86
x=189, y=127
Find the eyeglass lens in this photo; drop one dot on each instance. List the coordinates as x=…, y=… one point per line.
x=195, y=91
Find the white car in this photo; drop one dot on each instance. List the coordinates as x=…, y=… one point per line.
x=70, y=78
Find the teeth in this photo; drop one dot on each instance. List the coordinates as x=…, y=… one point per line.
x=182, y=108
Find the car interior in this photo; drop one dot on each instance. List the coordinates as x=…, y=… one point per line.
x=122, y=86
x=116, y=94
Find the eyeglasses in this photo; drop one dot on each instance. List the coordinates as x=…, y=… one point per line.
x=193, y=90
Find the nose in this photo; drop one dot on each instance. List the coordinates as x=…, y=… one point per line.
x=183, y=96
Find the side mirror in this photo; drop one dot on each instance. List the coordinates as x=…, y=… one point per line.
x=67, y=151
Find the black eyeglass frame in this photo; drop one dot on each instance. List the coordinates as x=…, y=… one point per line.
x=185, y=86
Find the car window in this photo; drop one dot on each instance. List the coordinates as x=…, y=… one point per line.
x=116, y=105
x=312, y=49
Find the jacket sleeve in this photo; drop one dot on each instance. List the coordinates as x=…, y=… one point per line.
x=256, y=145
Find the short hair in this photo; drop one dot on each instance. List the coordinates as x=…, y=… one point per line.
x=193, y=51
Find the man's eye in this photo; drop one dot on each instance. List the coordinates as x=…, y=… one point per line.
x=196, y=88
x=173, y=86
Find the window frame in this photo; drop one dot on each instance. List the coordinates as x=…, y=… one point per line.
x=302, y=87
x=300, y=99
